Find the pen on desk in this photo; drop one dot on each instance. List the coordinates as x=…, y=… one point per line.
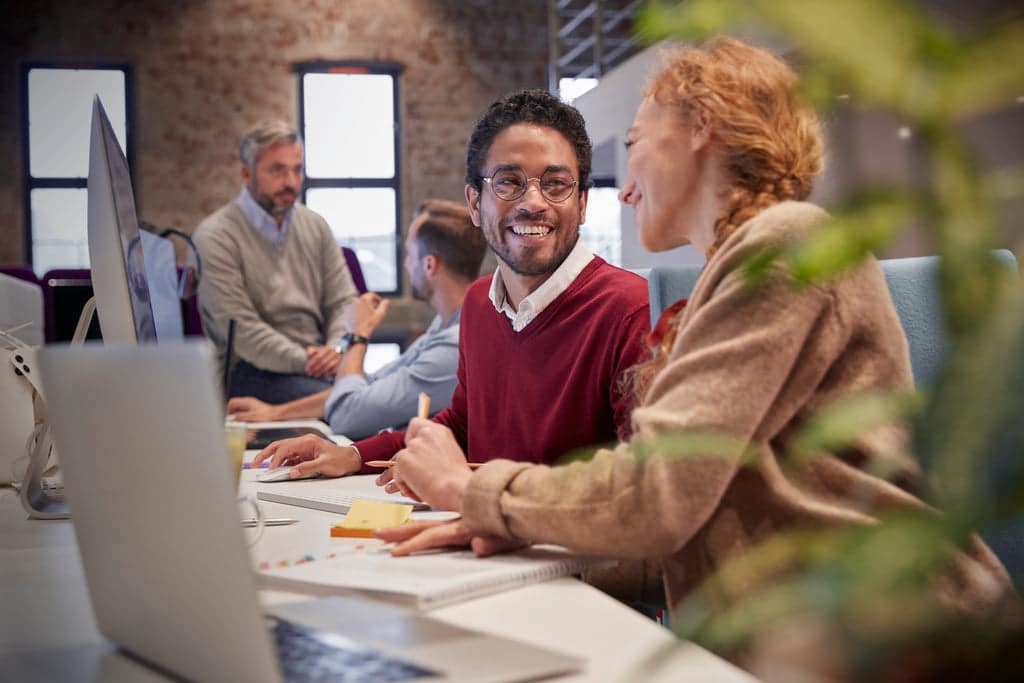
x=390, y=463
x=272, y=521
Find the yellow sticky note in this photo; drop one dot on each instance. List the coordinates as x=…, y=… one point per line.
x=367, y=514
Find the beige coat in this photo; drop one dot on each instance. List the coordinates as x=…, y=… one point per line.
x=753, y=365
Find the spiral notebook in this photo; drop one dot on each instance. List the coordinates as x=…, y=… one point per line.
x=427, y=580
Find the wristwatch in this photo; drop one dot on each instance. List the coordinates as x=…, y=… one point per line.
x=349, y=339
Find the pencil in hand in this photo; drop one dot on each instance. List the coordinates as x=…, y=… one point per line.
x=423, y=411
x=385, y=464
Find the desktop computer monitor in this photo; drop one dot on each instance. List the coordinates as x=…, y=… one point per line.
x=119, y=283
x=115, y=248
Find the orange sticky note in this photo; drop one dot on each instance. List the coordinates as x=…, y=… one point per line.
x=339, y=531
x=365, y=515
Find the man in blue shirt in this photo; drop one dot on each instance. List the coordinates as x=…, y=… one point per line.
x=443, y=253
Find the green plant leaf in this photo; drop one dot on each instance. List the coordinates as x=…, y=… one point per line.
x=860, y=227
x=988, y=73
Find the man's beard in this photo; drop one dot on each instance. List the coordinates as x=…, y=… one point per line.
x=420, y=289
x=268, y=204
x=524, y=267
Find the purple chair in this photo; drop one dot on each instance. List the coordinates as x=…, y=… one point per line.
x=355, y=269
x=20, y=271
x=65, y=292
x=192, y=320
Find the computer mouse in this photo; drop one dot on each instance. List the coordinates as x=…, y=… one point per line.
x=282, y=474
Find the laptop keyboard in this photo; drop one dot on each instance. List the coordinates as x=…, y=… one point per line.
x=303, y=495
x=308, y=655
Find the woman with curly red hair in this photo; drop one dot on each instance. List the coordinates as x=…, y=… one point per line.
x=722, y=155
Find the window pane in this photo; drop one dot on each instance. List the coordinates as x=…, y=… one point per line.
x=349, y=125
x=603, y=229
x=363, y=219
x=59, y=237
x=571, y=88
x=59, y=116
x=377, y=260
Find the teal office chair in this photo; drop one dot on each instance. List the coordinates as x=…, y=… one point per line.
x=913, y=284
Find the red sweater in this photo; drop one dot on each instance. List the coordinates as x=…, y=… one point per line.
x=554, y=386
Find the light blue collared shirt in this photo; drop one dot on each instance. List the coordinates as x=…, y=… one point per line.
x=261, y=221
x=539, y=299
x=359, y=406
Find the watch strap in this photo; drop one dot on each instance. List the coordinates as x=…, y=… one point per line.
x=349, y=339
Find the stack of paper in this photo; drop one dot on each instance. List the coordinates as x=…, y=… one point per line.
x=426, y=580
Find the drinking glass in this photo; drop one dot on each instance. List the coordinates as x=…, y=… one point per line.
x=235, y=439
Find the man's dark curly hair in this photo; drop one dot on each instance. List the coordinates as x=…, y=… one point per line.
x=538, y=107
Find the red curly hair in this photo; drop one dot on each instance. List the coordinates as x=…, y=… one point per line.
x=769, y=139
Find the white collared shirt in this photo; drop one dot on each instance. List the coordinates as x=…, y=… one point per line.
x=539, y=299
x=261, y=220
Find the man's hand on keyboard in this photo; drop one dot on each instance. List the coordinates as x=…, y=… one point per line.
x=309, y=453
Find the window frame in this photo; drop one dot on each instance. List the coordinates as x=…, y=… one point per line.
x=361, y=67
x=28, y=181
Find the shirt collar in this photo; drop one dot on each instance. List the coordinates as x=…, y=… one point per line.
x=261, y=221
x=539, y=299
x=435, y=323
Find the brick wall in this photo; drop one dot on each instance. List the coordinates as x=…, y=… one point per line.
x=205, y=70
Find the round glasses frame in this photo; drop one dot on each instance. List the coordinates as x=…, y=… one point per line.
x=524, y=184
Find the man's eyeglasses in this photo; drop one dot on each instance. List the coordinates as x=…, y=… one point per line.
x=281, y=171
x=510, y=185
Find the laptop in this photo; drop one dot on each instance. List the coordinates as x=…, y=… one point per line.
x=140, y=434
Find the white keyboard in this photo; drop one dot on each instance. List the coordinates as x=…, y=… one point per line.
x=315, y=498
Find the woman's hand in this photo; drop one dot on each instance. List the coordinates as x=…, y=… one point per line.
x=419, y=536
x=431, y=467
x=309, y=453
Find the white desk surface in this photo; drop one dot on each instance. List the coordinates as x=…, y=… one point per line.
x=47, y=630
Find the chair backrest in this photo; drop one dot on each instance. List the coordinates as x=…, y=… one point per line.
x=65, y=292
x=667, y=285
x=355, y=269
x=191, y=319
x=913, y=284
x=20, y=271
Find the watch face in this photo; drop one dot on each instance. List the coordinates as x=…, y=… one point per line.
x=348, y=339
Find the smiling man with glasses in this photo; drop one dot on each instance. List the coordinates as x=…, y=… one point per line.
x=545, y=340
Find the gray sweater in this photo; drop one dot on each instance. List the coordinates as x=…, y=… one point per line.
x=282, y=298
